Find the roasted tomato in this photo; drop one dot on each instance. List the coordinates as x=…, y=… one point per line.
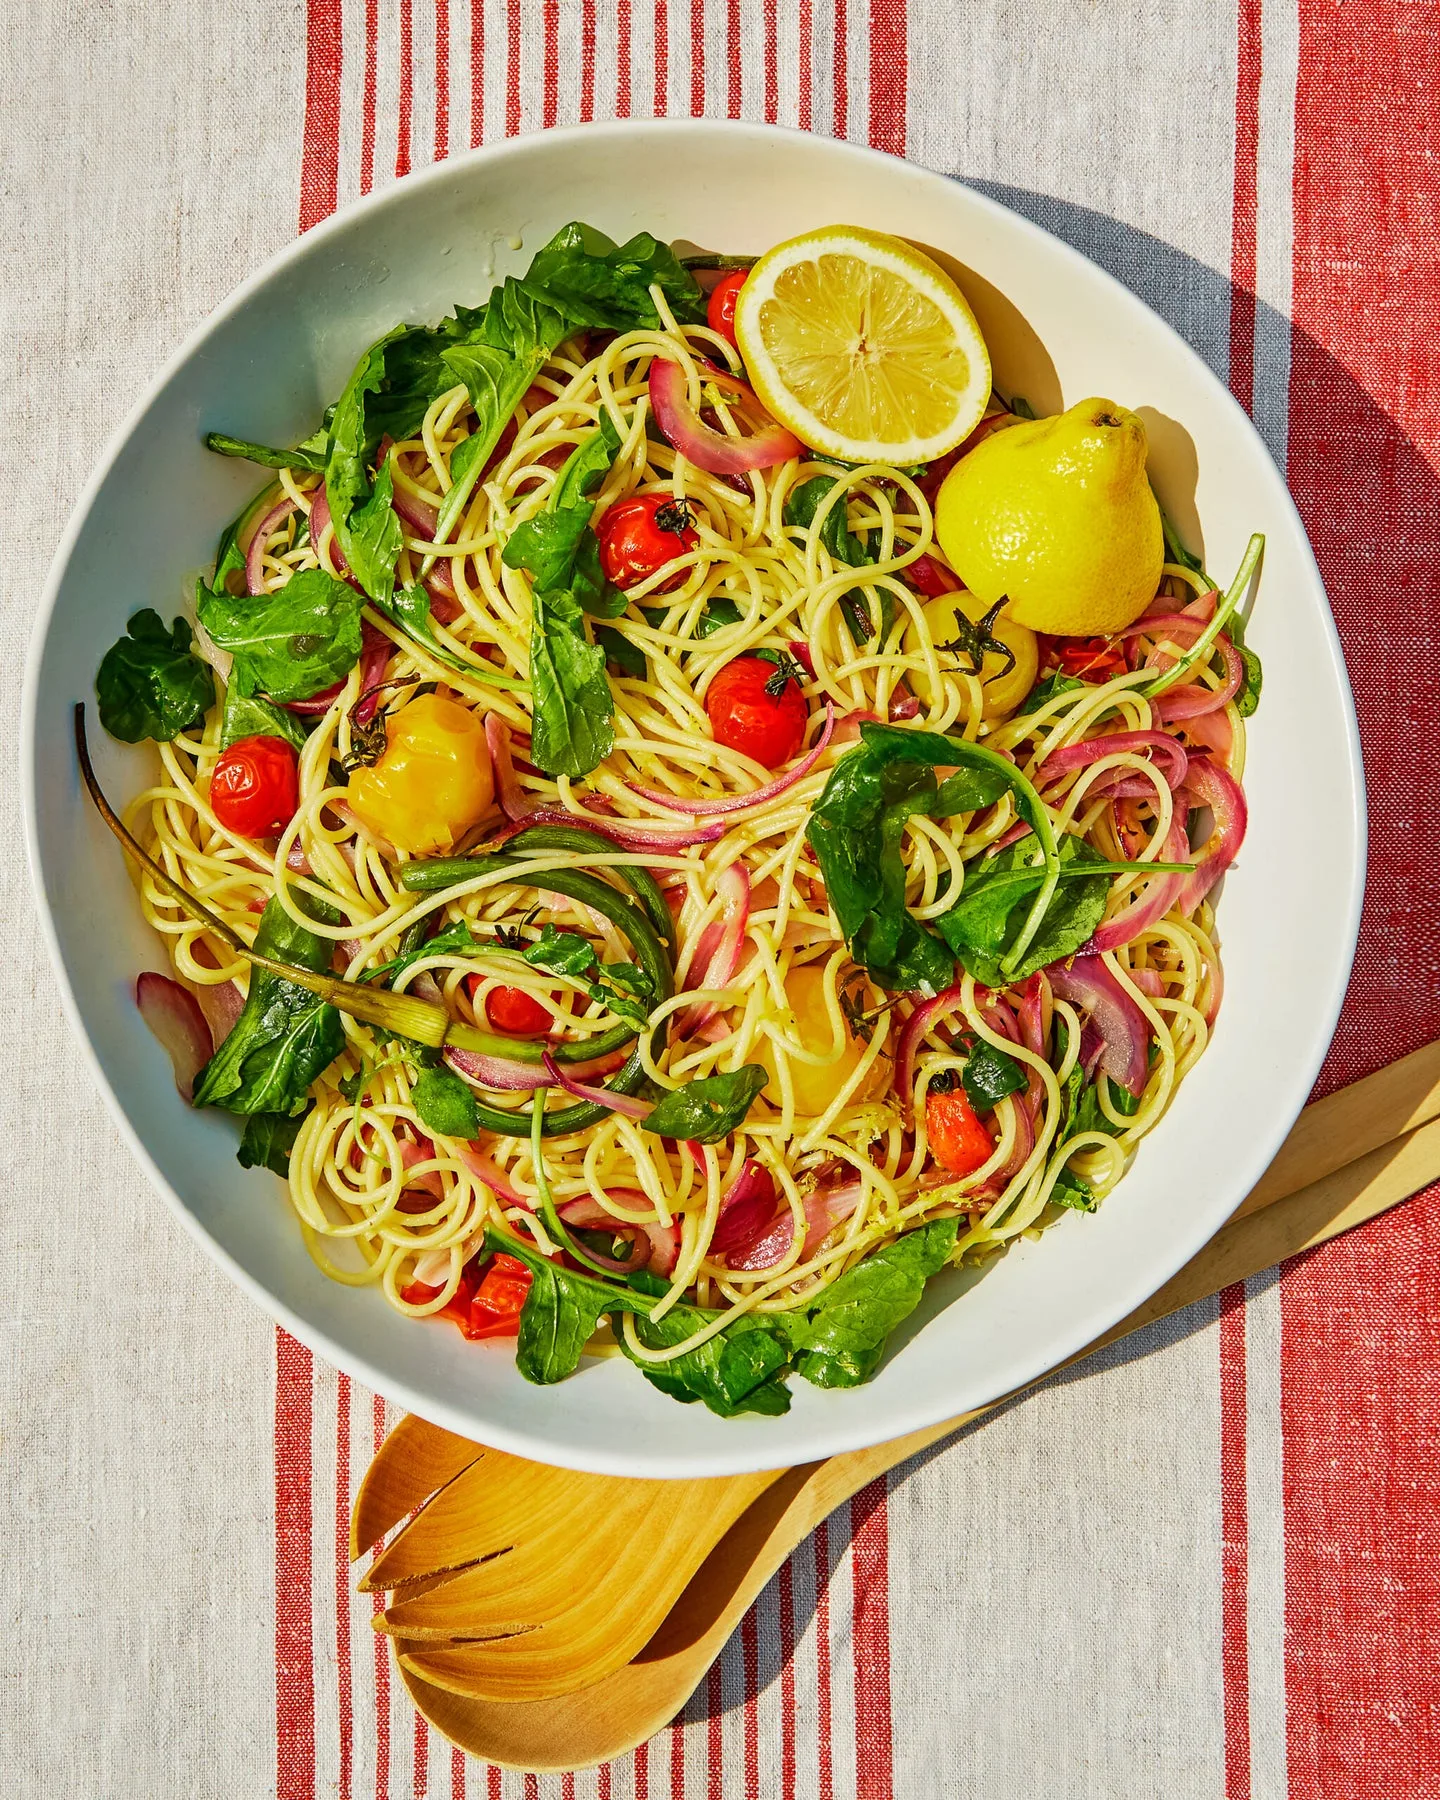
x=756, y=707
x=434, y=780
x=640, y=535
x=513, y=1011
x=959, y=1141
x=255, y=789
x=720, y=308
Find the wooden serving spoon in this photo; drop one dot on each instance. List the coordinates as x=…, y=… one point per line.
x=620, y=1706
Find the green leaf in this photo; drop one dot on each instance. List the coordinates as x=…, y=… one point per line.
x=562, y=952
x=707, y=1109
x=857, y=832
x=285, y=1036
x=559, y=550
x=150, y=684
x=1070, y=1190
x=445, y=1104
x=716, y=616
x=985, y=921
x=588, y=465
x=583, y=274
x=738, y=1370
x=988, y=1076
x=289, y=644
x=303, y=456
x=497, y=380
x=1057, y=683
x=267, y=1140
x=841, y=1338
x=375, y=538
x=572, y=725
x=620, y=654
x=409, y=608
x=454, y=940
x=247, y=715
x=562, y=1311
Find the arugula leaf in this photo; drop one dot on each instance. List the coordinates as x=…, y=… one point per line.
x=984, y=922
x=620, y=986
x=841, y=1338
x=597, y=284
x=445, y=1103
x=291, y=643
x=716, y=616
x=454, y=940
x=1053, y=684
x=562, y=952
x=303, y=456
x=150, y=684
x=1070, y=1190
x=620, y=654
x=247, y=715
x=497, y=379
x=587, y=467
x=562, y=1311
x=709, y=1108
x=1248, y=696
x=857, y=830
x=988, y=1076
x=375, y=538
x=285, y=1035
x=738, y=1370
x=409, y=608
x=267, y=1140
x=559, y=550
x=573, y=709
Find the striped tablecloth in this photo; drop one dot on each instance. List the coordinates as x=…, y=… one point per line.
x=1205, y=1565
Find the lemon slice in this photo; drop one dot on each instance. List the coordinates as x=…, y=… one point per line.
x=863, y=347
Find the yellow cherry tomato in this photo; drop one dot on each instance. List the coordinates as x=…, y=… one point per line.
x=1001, y=692
x=814, y=1085
x=433, y=782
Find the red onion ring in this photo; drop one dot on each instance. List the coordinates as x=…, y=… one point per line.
x=732, y=803
x=1207, y=784
x=588, y=1214
x=624, y=1104
x=925, y=1016
x=178, y=1025
x=1192, y=700
x=825, y=1208
x=508, y=1075
x=626, y=834
x=499, y=1183
x=716, y=956
x=747, y=1212
x=1087, y=982
x=255, y=553
x=701, y=444
x=1154, y=899
x=1165, y=749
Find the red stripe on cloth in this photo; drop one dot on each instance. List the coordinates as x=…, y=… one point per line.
x=805, y=109
x=477, y=72
x=715, y=1733
x=1242, y=227
x=567, y=1786
x=870, y=1638
x=840, y=120
x=1234, y=1546
x=734, y=68
x=493, y=1782
x=821, y=1543
x=787, y=1680
x=661, y=53
x=889, y=75
x=457, y=1775
x=750, y=1662
x=642, y=1773
x=367, y=99
x=320, y=159
x=550, y=91
x=442, y=79
x=622, y=59
x=382, y=1646
x=677, y=1760
x=532, y=1788
x=294, y=1654
x=420, y=1785
x=603, y=1783
x=343, y=1673
x=405, y=100
x=587, y=61
x=772, y=62
x=512, y=67
x=697, y=58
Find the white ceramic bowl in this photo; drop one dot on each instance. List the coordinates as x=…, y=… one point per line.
x=264, y=367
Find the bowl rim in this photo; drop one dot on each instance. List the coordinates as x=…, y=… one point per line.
x=846, y=1432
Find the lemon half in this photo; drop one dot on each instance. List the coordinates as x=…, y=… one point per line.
x=863, y=347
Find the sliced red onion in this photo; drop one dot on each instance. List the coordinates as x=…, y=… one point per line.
x=624, y=833
x=374, y=658
x=747, y=1213
x=1154, y=900
x=1202, y=607
x=174, y=1017
x=1164, y=749
x=509, y=1075
x=917, y=1027
x=1192, y=700
x=1087, y=982
x=222, y=1005
x=1032, y=1014
x=1150, y=982
x=717, y=954
x=1212, y=732
x=495, y=1178
x=624, y=1104
x=929, y=576
x=803, y=655
x=497, y=741
x=825, y=1208
x=423, y=1151
x=711, y=450
x=731, y=803
x=220, y=660
x=589, y=1215
x=1209, y=785
x=1024, y=1141
x=768, y=1250
x=255, y=555
x=417, y=513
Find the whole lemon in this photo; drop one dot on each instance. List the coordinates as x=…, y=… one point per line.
x=1057, y=515
x=1003, y=686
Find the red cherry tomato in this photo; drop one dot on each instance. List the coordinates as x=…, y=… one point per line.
x=514, y=1011
x=720, y=308
x=488, y=1307
x=638, y=536
x=959, y=1141
x=254, y=790
x=929, y=576
x=1090, y=659
x=756, y=707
